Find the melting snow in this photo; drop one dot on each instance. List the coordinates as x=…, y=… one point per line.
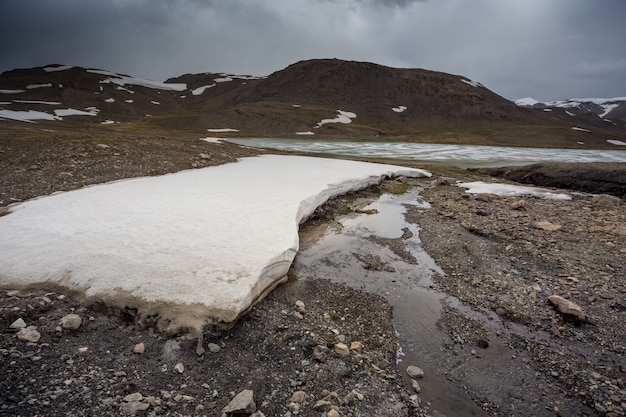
x=194, y=247
x=108, y=122
x=528, y=102
x=33, y=86
x=53, y=103
x=222, y=130
x=155, y=102
x=122, y=80
x=343, y=117
x=580, y=129
x=223, y=79
x=399, y=109
x=27, y=116
x=472, y=83
x=11, y=91
x=129, y=101
x=616, y=142
x=480, y=187
x=305, y=133
x=200, y=90
x=212, y=140
x=109, y=100
x=74, y=112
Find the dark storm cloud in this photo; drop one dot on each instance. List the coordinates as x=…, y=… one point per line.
x=545, y=49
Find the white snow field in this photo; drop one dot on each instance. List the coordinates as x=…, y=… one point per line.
x=194, y=247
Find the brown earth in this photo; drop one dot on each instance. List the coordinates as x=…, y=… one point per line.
x=500, y=255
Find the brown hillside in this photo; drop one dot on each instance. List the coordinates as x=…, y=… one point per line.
x=389, y=103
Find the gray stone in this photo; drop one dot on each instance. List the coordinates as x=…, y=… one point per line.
x=605, y=200
x=299, y=397
x=342, y=349
x=416, y=386
x=213, y=347
x=29, y=334
x=18, y=324
x=71, y=321
x=415, y=372
x=135, y=396
x=180, y=368
x=139, y=348
x=242, y=403
x=133, y=407
x=300, y=306
x=171, y=350
x=322, y=405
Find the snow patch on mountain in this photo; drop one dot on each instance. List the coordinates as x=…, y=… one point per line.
x=200, y=90
x=122, y=80
x=28, y=116
x=344, y=117
x=472, y=83
x=399, y=109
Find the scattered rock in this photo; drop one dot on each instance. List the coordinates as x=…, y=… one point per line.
x=179, y=367
x=29, y=334
x=299, y=397
x=300, y=306
x=18, y=324
x=139, y=348
x=356, y=346
x=415, y=372
x=213, y=348
x=320, y=353
x=135, y=396
x=342, y=349
x=243, y=403
x=71, y=322
x=546, y=225
x=444, y=181
x=605, y=200
x=567, y=308
x=520, y=205
x=332, y=413
x=171, y=350
x=416, y=386
x=322, y=405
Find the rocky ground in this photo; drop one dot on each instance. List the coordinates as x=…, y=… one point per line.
x=316, y=348
x=508, y=255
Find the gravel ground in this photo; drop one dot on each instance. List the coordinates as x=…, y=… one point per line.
x=503, y=257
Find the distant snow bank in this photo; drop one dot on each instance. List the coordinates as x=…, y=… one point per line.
x=508, y=190
x=193, y=247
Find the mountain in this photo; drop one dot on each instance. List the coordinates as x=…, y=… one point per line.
x=607, y=113
x=327, y=98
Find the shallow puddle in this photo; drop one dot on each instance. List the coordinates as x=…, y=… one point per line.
x=380, y=252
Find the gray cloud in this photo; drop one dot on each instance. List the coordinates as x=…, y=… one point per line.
x=548, y=50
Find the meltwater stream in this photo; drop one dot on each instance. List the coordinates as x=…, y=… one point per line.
x=382, y=253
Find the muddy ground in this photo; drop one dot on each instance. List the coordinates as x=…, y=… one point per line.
x=500, y=264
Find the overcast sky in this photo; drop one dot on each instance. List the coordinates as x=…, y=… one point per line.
x=546, y=49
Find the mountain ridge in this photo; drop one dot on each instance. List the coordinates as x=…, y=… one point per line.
x=387, y=103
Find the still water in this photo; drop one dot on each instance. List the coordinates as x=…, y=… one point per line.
x=462, y=155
